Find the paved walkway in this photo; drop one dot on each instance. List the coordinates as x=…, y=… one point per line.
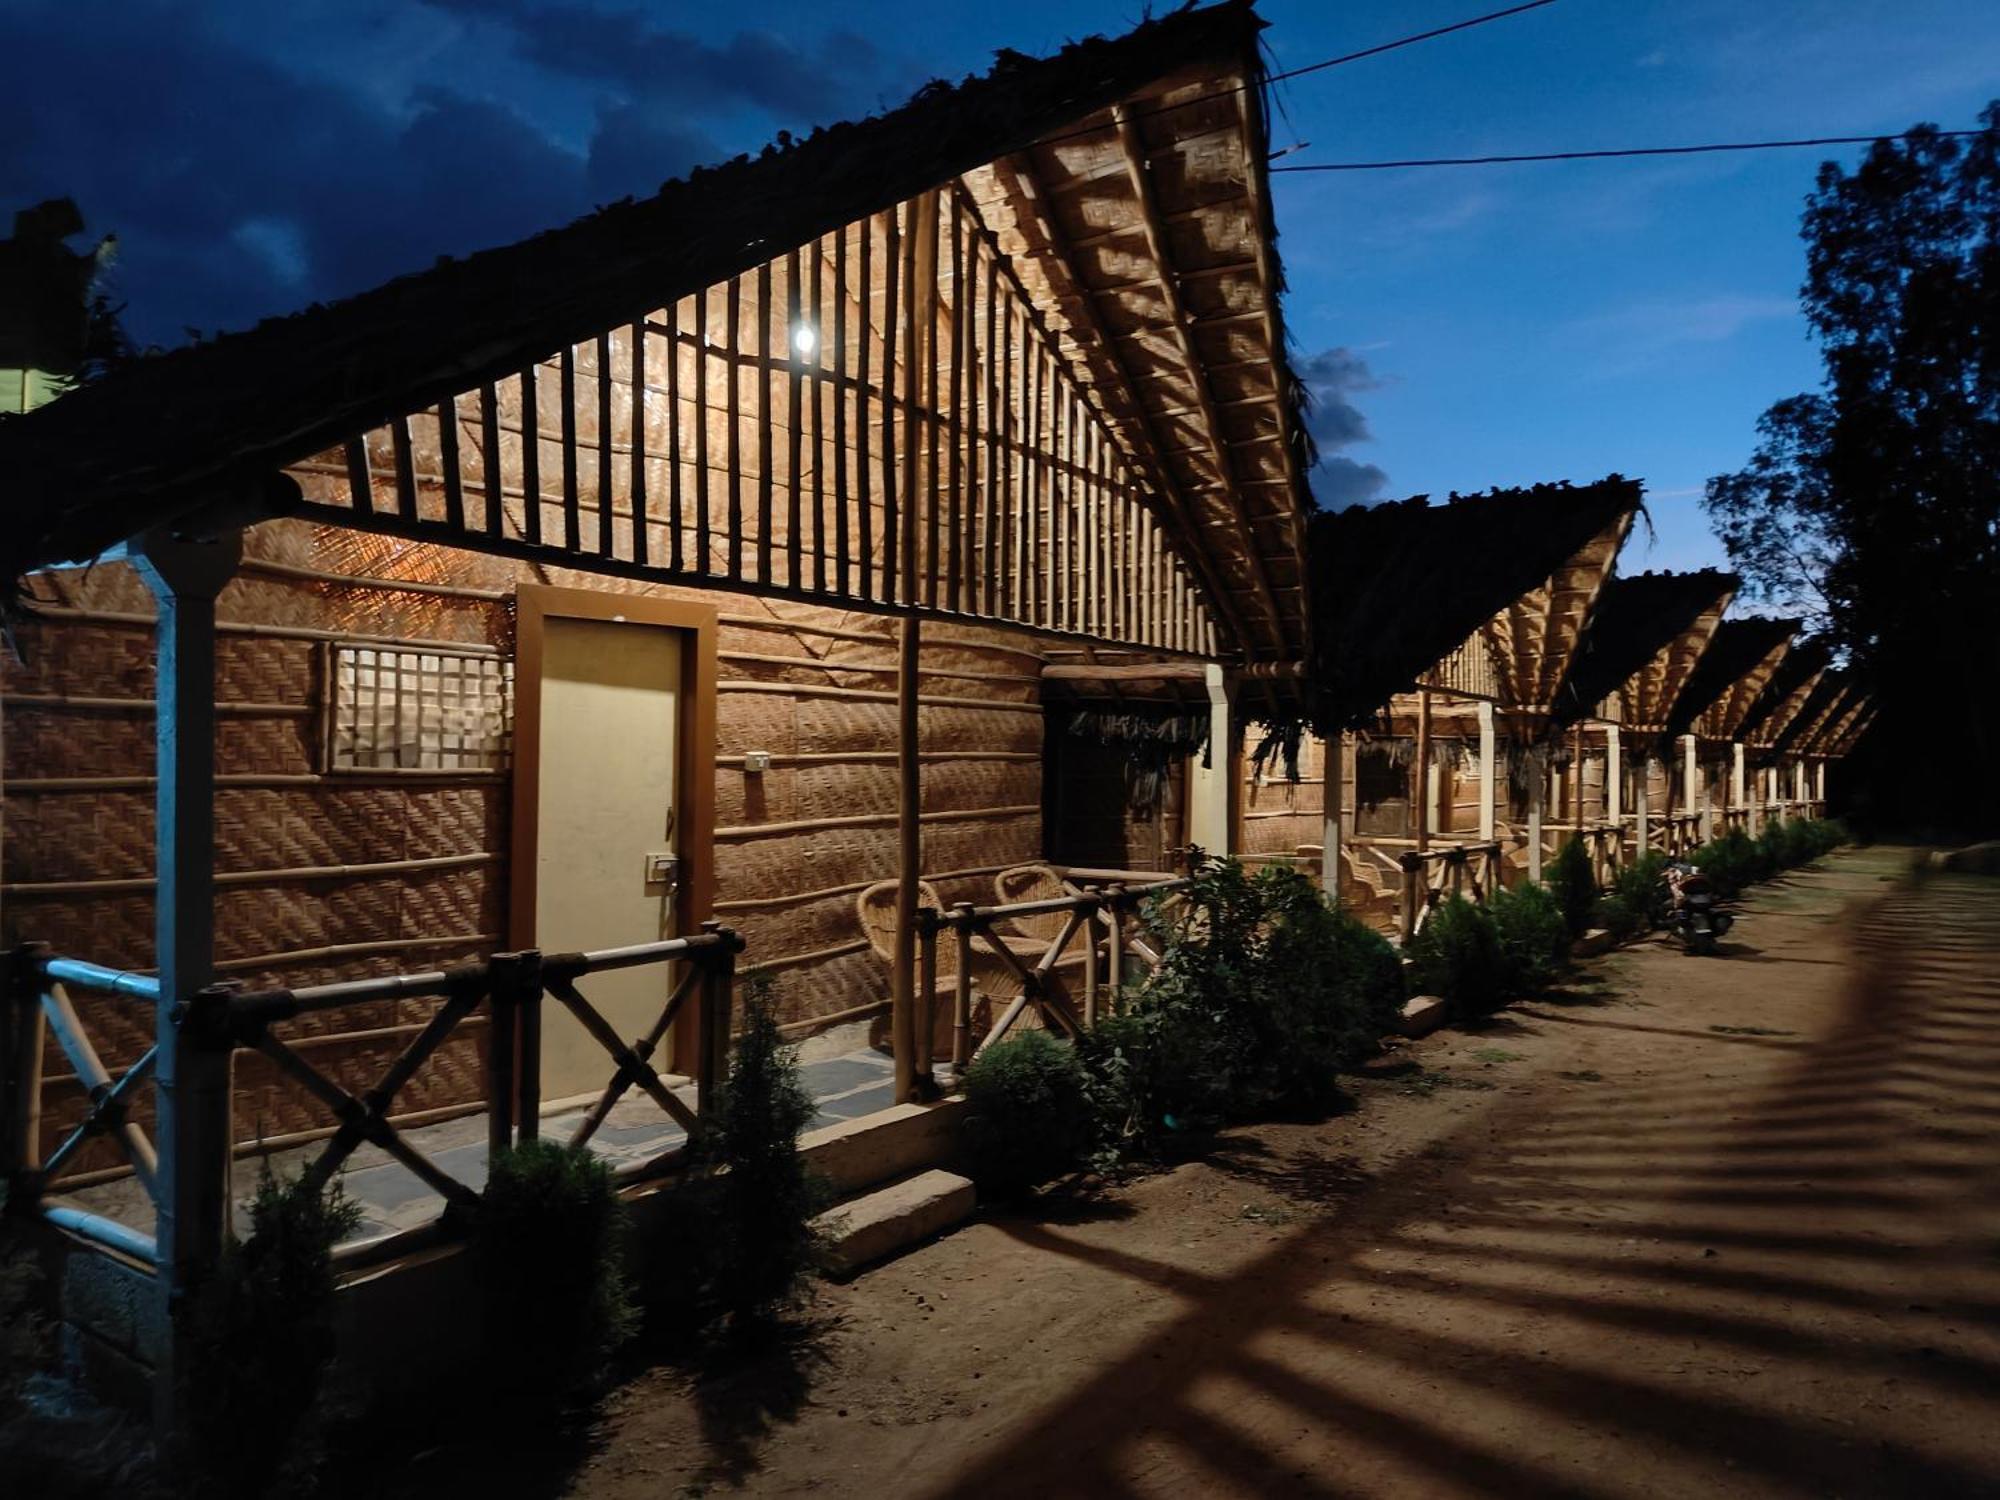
x=1718, y=1227
x=393, y=1198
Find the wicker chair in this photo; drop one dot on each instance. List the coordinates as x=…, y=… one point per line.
x=992, y=980
x=1374, y=900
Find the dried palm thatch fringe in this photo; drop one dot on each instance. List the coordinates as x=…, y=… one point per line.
x=1153, y=744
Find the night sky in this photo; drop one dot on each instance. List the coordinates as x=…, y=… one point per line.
x=1462, y=328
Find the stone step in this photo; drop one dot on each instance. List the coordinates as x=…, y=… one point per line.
x=893, y=1218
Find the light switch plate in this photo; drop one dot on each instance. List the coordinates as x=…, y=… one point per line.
x=662, y=869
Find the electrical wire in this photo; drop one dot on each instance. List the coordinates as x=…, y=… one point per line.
x=1617, y=153
x=1300, y=72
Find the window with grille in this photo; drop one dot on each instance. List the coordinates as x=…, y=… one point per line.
x=419, y=711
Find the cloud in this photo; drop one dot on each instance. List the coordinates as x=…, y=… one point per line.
x=1643, y=335
x=1331, y=378
x=841, y=74
x=245, y=179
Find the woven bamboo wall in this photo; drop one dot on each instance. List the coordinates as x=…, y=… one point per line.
x=1280, y=814
x=315, y=859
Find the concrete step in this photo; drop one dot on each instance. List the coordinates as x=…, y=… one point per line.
x=893, y=1218
x=886, y=1145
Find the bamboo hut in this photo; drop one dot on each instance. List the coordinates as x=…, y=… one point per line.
x=1644, y=642
x=1798, y=676
x=1439, y=635
x=1725, y=684
x=710, y=559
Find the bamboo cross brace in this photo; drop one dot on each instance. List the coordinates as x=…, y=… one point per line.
x=107, y=1107
x=361, y=1121
x=642, y=1049
x=628, y=1060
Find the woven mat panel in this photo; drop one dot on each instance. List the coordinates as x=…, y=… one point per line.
x=836, y=790
x=829, y=986
x=978, y=729
x=834, y=724
x=363, y=609
x=779, y=865
x=456, y=819
x=801, y=927
x=979, y=842
x=276, y=747
x=113, y=930
x=472, y=899
x=763, y=721
x=269, y=1105
x=111, y=586
x=53, y=742
x=768, y=797
x=77, y=836
x=80, y=659
x=251, y=921
x=254, y=669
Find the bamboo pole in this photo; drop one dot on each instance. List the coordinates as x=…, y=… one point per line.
x=1420, y=771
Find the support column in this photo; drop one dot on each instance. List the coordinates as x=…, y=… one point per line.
x=906, y=1036
x=1487, y=761
x=1819, y=785
x=1739, y=782
x=1420, y=773
x=1642, y=795
x=190, y=1080
x=1704, y=792
x=1538, y=791
x=1209, y=790
x=1330, y=801
x=1614, y=780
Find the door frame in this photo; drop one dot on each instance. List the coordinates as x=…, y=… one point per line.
x=535, y=605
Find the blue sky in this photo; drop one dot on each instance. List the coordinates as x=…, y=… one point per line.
x=1466, y=327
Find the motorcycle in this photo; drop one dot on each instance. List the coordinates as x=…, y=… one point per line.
x=1693, y=914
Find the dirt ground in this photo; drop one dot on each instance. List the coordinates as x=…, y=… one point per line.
x=1698, y=1227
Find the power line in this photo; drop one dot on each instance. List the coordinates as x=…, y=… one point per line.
x=1323, y=63
x=1606, y=155
x=1408, y=41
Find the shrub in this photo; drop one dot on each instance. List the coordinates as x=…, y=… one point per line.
x=1534, y=939
x=261, y=1335
x=1028, y=1112
x=548, y=1251
x=1263, y=994
x=1456, y=955
x=1640, y=888
x=1617, y=916
x=764, y=1201
x=1730, y=862
x=27, y=1344
x=1574, y=886
x=1116, y=1056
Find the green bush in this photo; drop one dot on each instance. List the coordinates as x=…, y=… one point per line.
x=1116, y=1055
x=549, y=1254
x=1534, y=939
x=1264, y=993
x=1456, y=955
x=1731, y=862
x=1640, y=889
x=1028, y=1113
x=1617, y=916
x=261, y=1336
x=1574, y=886
x=765, y=1198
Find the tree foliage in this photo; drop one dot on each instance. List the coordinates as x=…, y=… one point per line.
x=1871, y=504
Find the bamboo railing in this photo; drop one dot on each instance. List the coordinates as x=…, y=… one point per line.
x=514, y=987
x=1105, y=917
x=1432, y=875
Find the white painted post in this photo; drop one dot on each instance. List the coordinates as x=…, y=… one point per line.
x=190, y=1080
x=1330, y=803
x=1641, y=803
x=1487, y=763
x=1208, y=785
x=1819, y=787
x=1614, y=790
x=1538, y=788
x=1739, y=785
x=1705, y=789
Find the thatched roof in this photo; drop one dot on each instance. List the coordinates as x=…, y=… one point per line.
x=1642, y=642
x=1834, y=693
x=1398, y=587
x=1120, y=174
x=1785, y=694
x=1730, y=676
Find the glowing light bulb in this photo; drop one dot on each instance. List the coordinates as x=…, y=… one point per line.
x=804, y=340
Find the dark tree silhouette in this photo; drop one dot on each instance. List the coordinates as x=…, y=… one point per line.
x=1873, y=506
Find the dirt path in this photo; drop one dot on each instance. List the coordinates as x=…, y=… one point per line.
x=1724, y=1227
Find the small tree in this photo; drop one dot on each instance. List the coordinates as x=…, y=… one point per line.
x=1532, y=936
x=1028, y=1113
x=1456, y=955
x=548, y=1247
x=765, y=1196
x=261, y=1335
x=1574, y=885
